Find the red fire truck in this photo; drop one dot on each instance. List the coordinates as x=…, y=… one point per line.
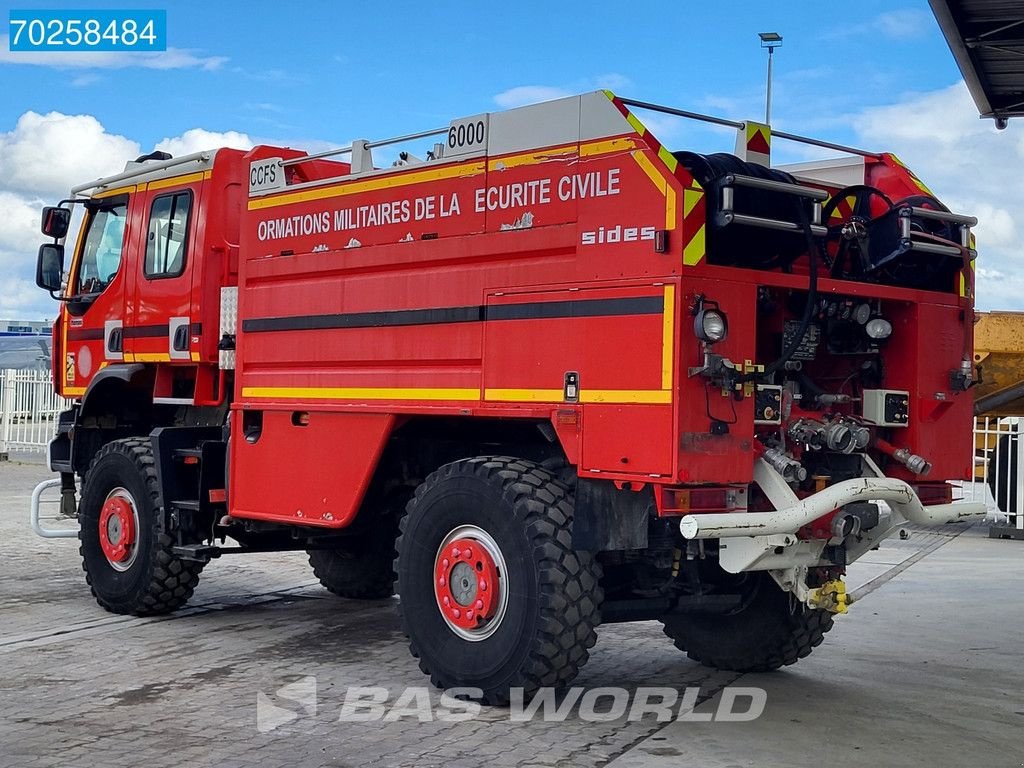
x=551, y=374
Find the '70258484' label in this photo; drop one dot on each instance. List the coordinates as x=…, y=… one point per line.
x=85, y=30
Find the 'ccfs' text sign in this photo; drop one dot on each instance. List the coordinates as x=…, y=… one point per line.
x=85, y=30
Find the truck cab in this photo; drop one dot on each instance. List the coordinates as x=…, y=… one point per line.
x=154, y=244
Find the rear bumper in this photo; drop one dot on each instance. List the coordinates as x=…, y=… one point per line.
x=768, y=541
x=788, y=519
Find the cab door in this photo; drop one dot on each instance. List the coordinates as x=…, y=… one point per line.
x=160, y=313
x=97, y=291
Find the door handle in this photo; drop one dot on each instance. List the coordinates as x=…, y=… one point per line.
x=115, y=340
x=180, y=340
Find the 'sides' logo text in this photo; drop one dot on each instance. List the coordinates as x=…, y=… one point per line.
x=617, y=234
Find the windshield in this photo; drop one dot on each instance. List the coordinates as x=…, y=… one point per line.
x=104, y=241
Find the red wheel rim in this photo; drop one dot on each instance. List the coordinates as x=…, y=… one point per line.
x=467, y=584
x=117, y=529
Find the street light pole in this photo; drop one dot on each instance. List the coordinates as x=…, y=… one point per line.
x=771, y=41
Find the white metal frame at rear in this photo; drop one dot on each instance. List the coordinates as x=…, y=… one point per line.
x=28, y=410
x=992, y=437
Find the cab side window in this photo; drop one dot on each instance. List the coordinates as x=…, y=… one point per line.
x=167, y=236
x=103, y=245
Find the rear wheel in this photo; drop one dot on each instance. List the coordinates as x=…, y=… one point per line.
x=769, y=630
x=493, y=596
x=126, y=553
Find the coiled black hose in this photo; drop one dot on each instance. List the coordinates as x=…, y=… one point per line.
x=740, y=246
x=754, y=247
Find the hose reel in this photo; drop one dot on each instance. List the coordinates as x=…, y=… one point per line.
x=913, y=243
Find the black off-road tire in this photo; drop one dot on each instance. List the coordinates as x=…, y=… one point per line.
x=363, y=567
x=554, y=592
x=770, y=630
x=157, y=581
x=355, y=573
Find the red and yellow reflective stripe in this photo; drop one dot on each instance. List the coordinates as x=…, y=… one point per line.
x=694, y=226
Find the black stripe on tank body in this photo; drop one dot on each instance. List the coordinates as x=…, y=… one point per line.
x=634, y=305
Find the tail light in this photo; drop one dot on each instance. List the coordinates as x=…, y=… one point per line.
x=934, y=493
x=697, y=499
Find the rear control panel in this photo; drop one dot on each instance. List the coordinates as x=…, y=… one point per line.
x=887, y=407
x=768, y=404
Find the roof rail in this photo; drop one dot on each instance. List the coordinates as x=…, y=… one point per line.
x=362, y=145
x=360, y=157
x=739, y=124
x=144, y=168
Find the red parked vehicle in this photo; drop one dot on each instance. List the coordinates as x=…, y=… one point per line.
x=551, y=375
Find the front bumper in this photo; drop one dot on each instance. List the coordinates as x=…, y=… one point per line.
x=35, y=517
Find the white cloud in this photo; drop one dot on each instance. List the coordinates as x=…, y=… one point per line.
x=21, y=299
x=47, y=154
x=529, y=94
x=532, y=94
x=20, y=232
x=200, y=140
x=41, y=158
x=899, y=24
x=971, y=167
x=264, y=106
x=904, y=23
x=172, y=58
x=84, y=79
x=613, y=81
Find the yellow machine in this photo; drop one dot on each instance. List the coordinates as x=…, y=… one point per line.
x=999, y=350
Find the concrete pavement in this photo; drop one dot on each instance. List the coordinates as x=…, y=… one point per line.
x=926, y=670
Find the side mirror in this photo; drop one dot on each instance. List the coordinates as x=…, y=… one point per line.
x=56, y=221
x=50, y=266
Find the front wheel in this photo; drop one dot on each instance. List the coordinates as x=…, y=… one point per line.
x=769, y=630
x=126, y=553
x=493, y=595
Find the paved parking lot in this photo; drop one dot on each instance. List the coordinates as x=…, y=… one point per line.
x=927, y=669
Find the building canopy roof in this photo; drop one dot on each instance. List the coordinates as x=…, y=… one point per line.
x=987, y=41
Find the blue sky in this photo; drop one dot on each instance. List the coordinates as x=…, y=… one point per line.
x=323, y=70
x=320, y=73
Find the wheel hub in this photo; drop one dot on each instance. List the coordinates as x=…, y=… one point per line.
x=468, y=583
x=463, y=583
x=118, y=529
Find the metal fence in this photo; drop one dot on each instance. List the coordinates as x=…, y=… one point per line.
x=28, y=410
x=999, y=469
